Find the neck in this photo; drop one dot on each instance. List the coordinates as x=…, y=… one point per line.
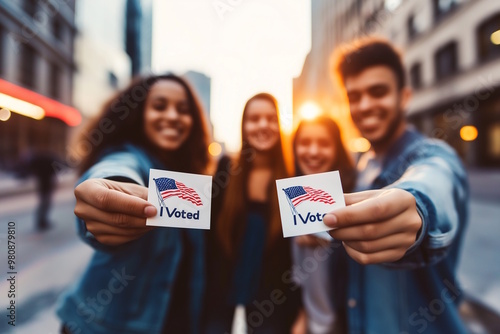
x=261, y=160
x=382, y=147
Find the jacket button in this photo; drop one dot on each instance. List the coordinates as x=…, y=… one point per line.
x=351, y=303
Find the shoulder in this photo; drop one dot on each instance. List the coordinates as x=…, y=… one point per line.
x=127, y=160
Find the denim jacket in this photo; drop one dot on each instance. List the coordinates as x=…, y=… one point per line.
x=418, y=293
x=128, y=288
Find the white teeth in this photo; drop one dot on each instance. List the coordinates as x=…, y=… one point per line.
x=370, y=121
x=169, y=132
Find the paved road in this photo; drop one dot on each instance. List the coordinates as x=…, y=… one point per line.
x=49, y=262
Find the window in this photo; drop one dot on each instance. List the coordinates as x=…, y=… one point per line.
x=27, y=75
x=444, y=7
x=488, y=38
x=55, y=81
x=412, y=27
x=416, y=76
x=58, y=28
x=113, y=80
x=30, y=7
x=2, y=50
x=445, y=61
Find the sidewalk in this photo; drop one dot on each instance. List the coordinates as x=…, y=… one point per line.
x=485, y=184
x=11, y=186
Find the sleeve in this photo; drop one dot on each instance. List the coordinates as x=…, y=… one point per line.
x=438, y=181
x=121, y=166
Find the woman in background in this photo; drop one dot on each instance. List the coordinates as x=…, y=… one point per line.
x=248, y=255
x=318, y=148
x=140, y=279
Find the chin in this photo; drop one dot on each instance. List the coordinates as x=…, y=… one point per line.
x=169, y=146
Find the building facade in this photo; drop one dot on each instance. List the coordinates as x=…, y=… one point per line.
x=36, y=77
x=452, y=55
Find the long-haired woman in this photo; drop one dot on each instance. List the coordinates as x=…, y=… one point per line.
x=318, y=148
x=248, y=256
x=140, y=279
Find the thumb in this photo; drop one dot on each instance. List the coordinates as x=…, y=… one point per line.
x=360, y=196
x=128, y=188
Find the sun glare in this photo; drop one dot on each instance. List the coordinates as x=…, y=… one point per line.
x=309, y=110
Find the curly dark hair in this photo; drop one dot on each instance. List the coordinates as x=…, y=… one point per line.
x=121, y=121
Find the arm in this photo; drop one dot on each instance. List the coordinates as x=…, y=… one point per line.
x=410, y=223
x=111, y=213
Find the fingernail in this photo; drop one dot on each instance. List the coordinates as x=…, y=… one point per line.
x=150, y=211
x=330, y=220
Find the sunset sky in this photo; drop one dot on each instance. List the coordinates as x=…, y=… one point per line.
x=245, y=46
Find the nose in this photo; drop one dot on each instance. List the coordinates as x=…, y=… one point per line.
x=263, y=123
x=365, y=103
x=171, y=114
x=313, y=149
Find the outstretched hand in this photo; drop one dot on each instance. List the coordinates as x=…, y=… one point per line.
x=114, y=212
x=376, y=226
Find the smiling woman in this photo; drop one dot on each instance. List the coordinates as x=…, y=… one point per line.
x=247, y=255
x=156, y=122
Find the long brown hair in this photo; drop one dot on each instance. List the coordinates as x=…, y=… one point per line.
x=343, y=161
x=230, y=220
x=121, y=121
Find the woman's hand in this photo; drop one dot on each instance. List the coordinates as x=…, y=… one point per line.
x=377, y=225
x=114, y=212
x=300, y=324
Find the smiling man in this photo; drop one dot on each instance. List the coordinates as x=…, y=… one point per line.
x=403, y=227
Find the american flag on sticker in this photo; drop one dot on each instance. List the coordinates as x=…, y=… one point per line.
x=299, y=194
x=168, y=187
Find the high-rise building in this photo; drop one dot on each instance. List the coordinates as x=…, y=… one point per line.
x=451, y=51
x=36, y=77
x=103, y=65
x=139, y=19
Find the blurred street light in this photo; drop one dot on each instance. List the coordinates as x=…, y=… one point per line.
x=468, y=133
x=21, y=107
x=495, y=37
x=359, y=145
x=4, y=114
x=309, y=110
x=214, y=149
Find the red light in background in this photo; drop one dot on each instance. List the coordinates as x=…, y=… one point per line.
x=52, y=108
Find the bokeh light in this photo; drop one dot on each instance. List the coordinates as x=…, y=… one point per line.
x=21, y=107
x=215, y=149
x=359, y=145
x=468, y=133
x=4, y=114
x=495, y=37
x=309, y=110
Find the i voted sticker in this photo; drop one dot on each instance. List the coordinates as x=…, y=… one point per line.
x=182, y=200
x=304, y=201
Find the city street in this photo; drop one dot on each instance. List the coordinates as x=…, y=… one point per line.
x=47, y=263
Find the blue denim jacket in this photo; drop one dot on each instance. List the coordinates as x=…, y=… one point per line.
x=128, y=288
x=418, y=293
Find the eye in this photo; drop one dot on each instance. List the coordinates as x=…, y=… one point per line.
x=159, y=105
x=353, y=97
x=304, y=142
x=379, y=90
x=324, y=143
x=273, y=119
x=253, y=118
x=183, y=108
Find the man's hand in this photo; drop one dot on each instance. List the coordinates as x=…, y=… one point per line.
x=377, y=225
x=114, y=212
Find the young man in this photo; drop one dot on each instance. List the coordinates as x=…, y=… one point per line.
x=403, y=227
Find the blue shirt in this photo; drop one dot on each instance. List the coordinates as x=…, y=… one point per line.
x=247, y=272
x=129, y=288
x=419, y=292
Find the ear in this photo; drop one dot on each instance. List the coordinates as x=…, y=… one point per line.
x=405, y=96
